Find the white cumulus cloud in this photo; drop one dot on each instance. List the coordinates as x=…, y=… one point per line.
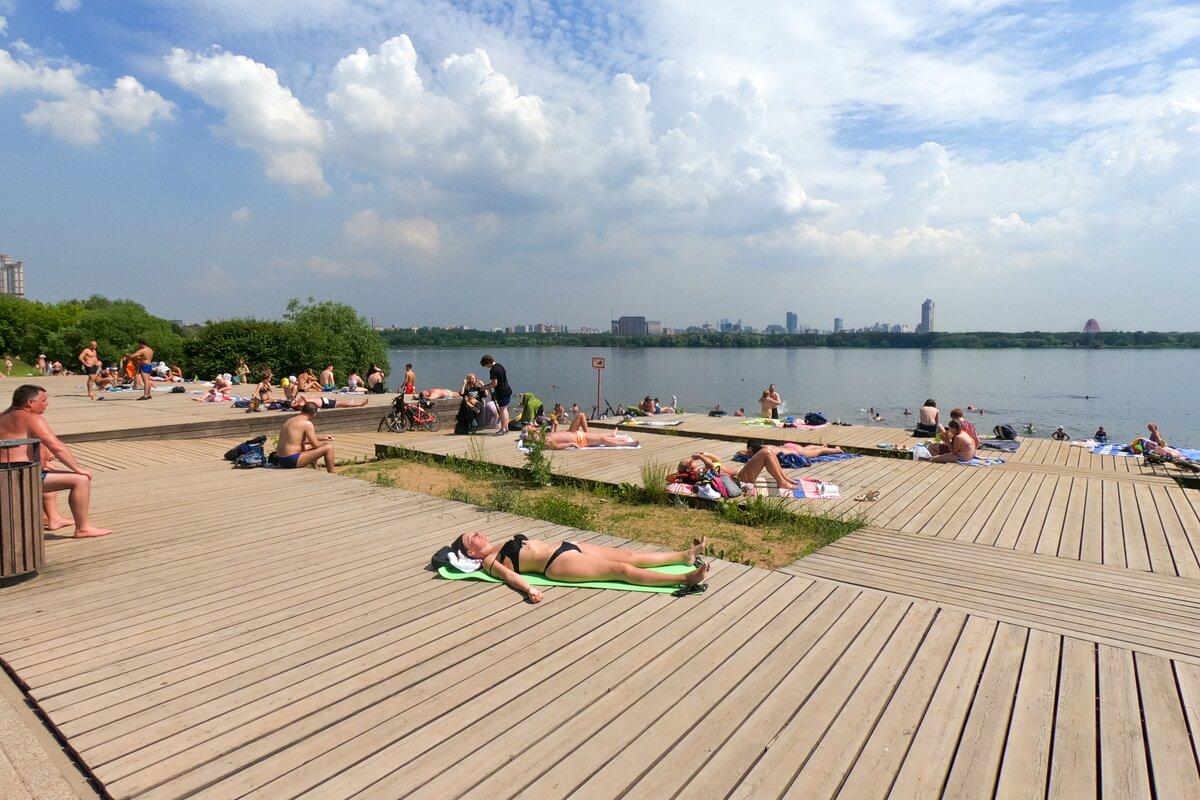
x=240, y=215
x=77, y=113
x=367, y=229
x=260, y=114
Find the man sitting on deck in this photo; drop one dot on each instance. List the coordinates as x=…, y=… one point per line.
x=25, y=419
x=299, y=444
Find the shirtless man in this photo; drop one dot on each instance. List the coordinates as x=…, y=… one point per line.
x=436, y=394
x=90, y=362
x=962, y=449
x=309, y=382
x=328, y=384
x=25, y=419
x=328, y=402
x=299, y=444
x=410, y=379
x=143, y=362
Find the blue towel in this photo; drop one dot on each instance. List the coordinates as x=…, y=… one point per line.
x=983, y=461
x=1003, y=445
x=797, y=461
x=1190, y=455
x=1113, y=450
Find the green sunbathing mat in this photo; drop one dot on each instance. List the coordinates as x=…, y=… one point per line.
x=542, y=580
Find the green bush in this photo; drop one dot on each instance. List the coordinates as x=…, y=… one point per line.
x=557, y=507
x=218, y=347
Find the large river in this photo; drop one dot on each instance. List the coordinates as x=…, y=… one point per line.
x=1079, y=389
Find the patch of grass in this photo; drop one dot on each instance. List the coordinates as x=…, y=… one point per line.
x=558, y=507
x=654, y=481
x=504, y=497
x=383, y=479
x=537, y=462
x=461, y=495
x=761, y=530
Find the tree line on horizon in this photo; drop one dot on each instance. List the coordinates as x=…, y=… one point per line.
x=309, y=335
x=313, y=333
x=459, y=337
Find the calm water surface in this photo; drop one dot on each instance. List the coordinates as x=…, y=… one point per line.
x=1079, y=389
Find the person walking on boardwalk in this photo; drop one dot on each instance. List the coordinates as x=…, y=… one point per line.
x=90, y=362
x=25, y=419
x=299, y=444
x=500, y=388
x=143, y=363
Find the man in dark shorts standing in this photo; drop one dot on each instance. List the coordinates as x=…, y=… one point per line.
x=501, y=391
x=90, y=362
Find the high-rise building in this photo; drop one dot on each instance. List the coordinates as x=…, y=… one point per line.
x=793, y=322
x=12, y=276
x=837, y=325
x=632, y=326
x=926, y=325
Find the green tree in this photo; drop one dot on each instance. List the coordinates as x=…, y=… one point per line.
x=217, y=348
x=321, y=333
x=116, y=326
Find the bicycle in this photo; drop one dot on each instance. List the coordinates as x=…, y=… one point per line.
x=609, y=411
x=406, y=416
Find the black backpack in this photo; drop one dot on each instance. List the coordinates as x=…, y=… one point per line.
x=815, y=418
x=1006, y=432
x=245, y=448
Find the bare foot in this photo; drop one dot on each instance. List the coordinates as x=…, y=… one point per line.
x=88, y=533
x=55, y=524
x=696, y=576
x=697, y=548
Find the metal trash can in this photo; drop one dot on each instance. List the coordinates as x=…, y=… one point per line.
x=22, y=548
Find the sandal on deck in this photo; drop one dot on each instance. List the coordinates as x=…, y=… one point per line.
x=868, y=496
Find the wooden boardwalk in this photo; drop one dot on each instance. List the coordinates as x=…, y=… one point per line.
x=1027, y=631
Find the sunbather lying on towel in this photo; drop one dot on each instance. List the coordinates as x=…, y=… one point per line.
x=578, y=436
x=702, y=465
x=806, y=450
x=574, y=561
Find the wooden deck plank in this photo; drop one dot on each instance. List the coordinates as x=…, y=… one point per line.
x=1168, y=740
x=929, y=760
x=1025, y=767
x=1123, y=766
x=1073, y=769
x=977, y=762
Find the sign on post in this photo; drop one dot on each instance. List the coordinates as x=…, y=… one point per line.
x=598, y=365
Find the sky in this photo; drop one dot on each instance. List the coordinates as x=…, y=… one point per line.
x=1026, y=165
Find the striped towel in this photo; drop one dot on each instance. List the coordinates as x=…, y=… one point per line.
x=983, y=461
x=1114, y=450
x=811, y=489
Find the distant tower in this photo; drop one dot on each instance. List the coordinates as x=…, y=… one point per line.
x=837, y=324
x=1091, y=326
x=12, y=276
x=926, y=325
x=792, y=322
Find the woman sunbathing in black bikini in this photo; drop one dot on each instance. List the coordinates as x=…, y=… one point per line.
x=576, y=561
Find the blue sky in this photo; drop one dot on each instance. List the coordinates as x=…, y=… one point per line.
x=1026, y=165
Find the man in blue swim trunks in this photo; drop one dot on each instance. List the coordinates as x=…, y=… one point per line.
x=143, y=362
x=299, y=444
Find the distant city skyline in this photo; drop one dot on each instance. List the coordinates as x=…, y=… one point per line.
x=437, y=160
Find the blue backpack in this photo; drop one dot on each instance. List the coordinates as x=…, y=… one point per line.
x=815, y=418
x=248, y=454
